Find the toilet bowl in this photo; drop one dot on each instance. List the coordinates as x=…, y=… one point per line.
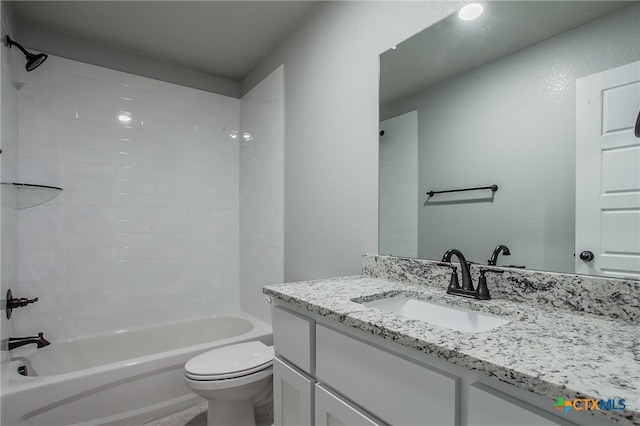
x=235, y=380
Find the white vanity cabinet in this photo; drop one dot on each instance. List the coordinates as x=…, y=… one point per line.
x=326, y=373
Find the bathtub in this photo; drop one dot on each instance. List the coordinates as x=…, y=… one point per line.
x=118, y=378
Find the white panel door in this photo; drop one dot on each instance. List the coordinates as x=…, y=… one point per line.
x=608, y=173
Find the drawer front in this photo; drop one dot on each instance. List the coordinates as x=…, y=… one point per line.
x=488, y=407
x=293, y=338
x=396, y=390
x=292, y=396
x=331, y=410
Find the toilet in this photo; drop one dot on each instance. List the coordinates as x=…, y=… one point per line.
x=236, y=380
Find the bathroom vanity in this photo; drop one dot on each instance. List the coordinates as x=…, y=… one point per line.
x=340, y=360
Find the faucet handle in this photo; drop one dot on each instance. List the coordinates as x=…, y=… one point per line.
x=482, y=292
x=454, y=284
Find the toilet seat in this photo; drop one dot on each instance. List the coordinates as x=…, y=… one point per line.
x=230, y=362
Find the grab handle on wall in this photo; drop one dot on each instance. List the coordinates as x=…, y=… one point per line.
x=493, y=189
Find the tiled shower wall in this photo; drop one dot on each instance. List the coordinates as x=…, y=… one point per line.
x=9, y=173
x=261, y=192
x=146, y=228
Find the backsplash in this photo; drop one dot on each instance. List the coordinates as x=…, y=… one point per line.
x=610, y=297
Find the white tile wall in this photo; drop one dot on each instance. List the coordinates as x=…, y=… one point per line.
x=261, y=192
x=147, y=227
x=9, y=242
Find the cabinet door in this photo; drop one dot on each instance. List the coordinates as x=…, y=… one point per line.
x=333, y=411
x=293, y=338
x=292, y=396
x=488, y=407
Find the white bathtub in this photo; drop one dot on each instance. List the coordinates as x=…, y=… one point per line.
x=118, y=378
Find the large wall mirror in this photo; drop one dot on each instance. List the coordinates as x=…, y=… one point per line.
x=492, y=101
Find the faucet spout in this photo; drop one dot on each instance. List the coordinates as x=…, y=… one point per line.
x=39, y=340
x=467, y=284
x=494, y=256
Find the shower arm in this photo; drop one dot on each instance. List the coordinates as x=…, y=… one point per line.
x=9, y=43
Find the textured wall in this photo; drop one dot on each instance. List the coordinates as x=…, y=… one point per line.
x=146, y=229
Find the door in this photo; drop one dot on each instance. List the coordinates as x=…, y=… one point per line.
x=608, y=173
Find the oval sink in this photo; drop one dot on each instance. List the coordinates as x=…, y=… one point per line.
x=454, y=318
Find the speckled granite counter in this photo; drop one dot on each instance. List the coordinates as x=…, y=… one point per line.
x=549, y=351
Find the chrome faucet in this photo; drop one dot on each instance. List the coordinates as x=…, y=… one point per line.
x=494, y=256
x=39, y=340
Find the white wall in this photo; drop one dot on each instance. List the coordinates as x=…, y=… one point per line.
x=331, y=129
x=261, y=192
x=146, y=228
x=398, y=231
x=512, y=123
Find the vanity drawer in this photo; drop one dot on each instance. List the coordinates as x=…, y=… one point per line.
x=293, y=337
x=396, y=390
x=332, y=410
x=511, y=411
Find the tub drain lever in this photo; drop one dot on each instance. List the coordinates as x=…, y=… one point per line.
x=16, y=302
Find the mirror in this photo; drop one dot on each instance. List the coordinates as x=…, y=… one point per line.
x=492, y=101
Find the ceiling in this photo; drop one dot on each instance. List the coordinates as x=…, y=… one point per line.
x=224, y=38
x=506, y=27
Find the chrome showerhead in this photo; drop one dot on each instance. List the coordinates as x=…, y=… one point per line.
x=33, y=60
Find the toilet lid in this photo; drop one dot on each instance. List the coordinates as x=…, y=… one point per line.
x=231, y=361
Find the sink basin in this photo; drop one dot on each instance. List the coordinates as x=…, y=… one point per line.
x=459, y=319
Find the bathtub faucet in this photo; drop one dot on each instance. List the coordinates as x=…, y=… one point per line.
x=39, y=340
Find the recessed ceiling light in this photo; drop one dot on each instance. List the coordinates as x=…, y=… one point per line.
x=124, y=117
x=471, y=11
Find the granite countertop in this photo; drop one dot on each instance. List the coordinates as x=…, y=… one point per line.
x=551, y=352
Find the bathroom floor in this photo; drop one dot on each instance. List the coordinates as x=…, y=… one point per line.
x=195, y=415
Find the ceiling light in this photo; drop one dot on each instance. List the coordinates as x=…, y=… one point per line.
x=470, y=11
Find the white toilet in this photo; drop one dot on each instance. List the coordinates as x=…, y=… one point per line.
x=233, y=379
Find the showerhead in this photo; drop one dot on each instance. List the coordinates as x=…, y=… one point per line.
x=33, y=60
